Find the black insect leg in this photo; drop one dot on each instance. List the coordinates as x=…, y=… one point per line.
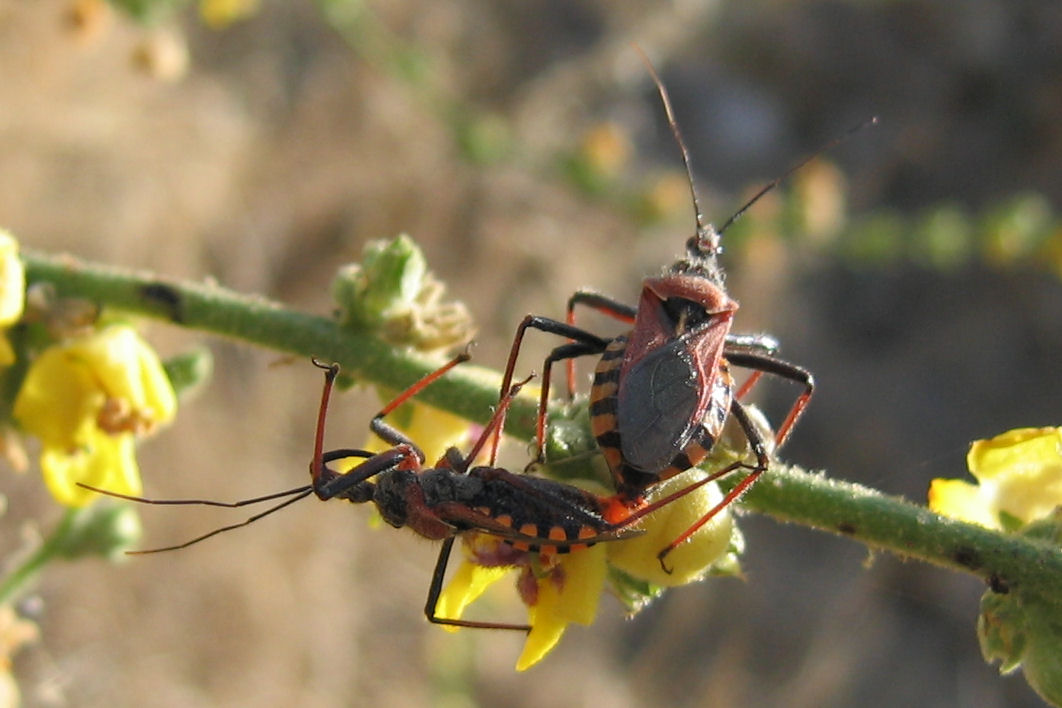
x=564, y=352
x=588, y=344
x=750, y=344
x=435, y=590
x=600, y=303
x=760, y=363
x=392, y=435
x=594, y=344
x=759, y=449
x=603, y=304
x=737, y=344
x=353, y=485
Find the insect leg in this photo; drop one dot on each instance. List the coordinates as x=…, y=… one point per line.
x=592, y=343
x=762, y=364
x=751, y=344
x=564, y=352
x=392, y=435
x=492, y=431
x=435, y=590
x=759, y=449
x=603, y=304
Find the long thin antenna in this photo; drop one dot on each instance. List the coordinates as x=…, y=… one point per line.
x=873, y=120
x=702, y=227
x=704, y=230
x=289, y=496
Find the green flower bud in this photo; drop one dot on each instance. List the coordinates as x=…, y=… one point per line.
x=190, y=370
x=103, y=529
x=1021, y=629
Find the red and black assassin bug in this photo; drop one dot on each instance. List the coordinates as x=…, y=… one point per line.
x=663, y=391
x=530, y=514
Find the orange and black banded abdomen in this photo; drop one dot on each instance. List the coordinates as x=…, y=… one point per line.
x=535, y=514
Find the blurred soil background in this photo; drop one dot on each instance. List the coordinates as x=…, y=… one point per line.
x=294, y=137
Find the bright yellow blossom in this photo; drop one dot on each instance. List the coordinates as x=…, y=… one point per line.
x=12, y=292
x=693, y=559
x=558, y=589
x=87, y=400
x=1019, y=476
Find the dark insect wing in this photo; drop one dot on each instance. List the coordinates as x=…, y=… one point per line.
x=658, y=400
x=530, y=512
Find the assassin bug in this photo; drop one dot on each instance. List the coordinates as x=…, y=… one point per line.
x=530, y=514
x=663, y=391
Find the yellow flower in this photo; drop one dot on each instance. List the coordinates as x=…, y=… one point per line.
x=86, y=400
x=558, y=589
x=1019, y=476
x=12, y=292
x=562, y=589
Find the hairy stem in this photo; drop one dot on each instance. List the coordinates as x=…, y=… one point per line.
x=787, y=493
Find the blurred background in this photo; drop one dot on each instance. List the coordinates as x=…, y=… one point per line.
x=915, y=270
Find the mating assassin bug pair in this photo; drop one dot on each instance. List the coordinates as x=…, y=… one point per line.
x=660, y=397
x=530, y=514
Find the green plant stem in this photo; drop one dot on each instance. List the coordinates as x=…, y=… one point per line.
x=468, y=391
x=20, y=577
x=789, y=494
x=908, y=530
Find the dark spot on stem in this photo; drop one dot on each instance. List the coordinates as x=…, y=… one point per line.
x=166, y=297
x=967, y=558
x=847, y=528
x=998, y=585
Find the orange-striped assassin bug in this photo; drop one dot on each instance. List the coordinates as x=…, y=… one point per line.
x=531, y=514
x=663, y=391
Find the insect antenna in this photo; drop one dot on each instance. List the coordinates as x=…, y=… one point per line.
x=289, y=496
x=843, y=137
x=704, y=230
x=706, y=242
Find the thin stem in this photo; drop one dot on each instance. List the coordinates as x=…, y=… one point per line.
x=908, y=530
x=789, y=494
x=27, y=569
x=469, y=391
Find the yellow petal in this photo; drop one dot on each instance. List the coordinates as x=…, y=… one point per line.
x=961, y=500
x=128, y=369
x=1019, y=477
x=12, y=281
x=468, y=583
x=57, y=397
x=546, y=631
x=1026, y=466
x=104, y=461
x=567, y=593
